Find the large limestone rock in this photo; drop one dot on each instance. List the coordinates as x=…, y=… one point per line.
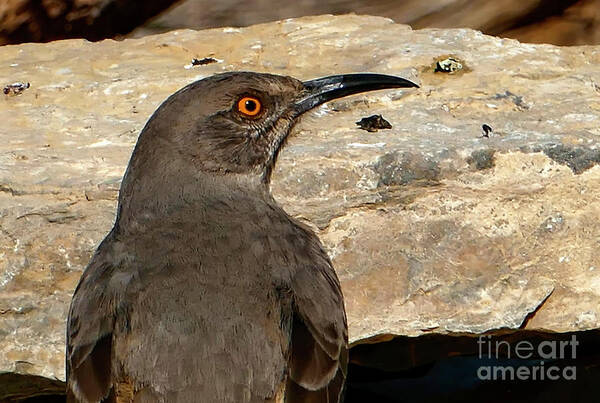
x=432, y=227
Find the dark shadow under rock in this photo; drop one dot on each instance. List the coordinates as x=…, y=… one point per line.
x=469, y=368
x=21, y=388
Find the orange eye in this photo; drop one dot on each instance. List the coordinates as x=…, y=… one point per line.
x=249, y=106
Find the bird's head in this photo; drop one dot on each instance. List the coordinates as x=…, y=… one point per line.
x=238, y=122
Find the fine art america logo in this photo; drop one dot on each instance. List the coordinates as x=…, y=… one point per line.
x=542, y=357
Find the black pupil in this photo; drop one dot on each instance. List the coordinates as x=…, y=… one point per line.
x=250, y=105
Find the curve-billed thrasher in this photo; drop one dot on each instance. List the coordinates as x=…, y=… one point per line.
x=206, y=290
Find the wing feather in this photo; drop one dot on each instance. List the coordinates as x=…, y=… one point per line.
x=319, y=351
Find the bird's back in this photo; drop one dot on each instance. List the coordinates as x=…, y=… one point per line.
x=193, y=311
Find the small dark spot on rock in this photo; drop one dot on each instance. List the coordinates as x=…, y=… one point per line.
x=487, y=130
x=15, y=88
x=481, y=159
x=203, y=61
x=448, y=65
x=374, y=123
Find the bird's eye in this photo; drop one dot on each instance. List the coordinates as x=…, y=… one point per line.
x=249, y=106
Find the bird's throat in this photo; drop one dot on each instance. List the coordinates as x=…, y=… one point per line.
x=198, y=200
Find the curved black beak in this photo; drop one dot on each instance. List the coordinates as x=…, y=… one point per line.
x=325, y=89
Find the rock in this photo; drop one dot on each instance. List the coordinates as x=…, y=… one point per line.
x=560, y=22
x=47, y=20
x=432, y=228
x=19, y=388
x=579, y=24
x=563, y=22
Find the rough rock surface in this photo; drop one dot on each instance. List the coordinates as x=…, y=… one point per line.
x=432, y=227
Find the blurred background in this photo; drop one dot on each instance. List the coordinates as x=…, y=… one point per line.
x=559, y=22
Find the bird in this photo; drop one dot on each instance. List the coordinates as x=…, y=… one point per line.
x=205, y=289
